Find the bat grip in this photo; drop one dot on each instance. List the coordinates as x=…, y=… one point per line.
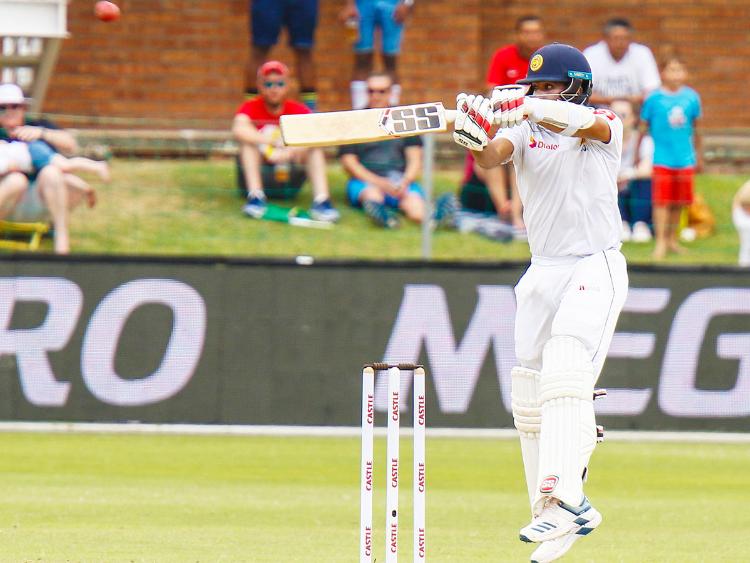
x=450, y=115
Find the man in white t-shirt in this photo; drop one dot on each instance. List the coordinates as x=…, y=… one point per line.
x=567, y=158
x=621, y=68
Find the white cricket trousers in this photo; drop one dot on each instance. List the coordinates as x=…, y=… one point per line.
x=570, y=296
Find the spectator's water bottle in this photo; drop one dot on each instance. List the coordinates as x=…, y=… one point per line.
x=351, y=27
x=281, y=172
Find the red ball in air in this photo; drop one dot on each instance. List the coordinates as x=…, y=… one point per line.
x=107, y=11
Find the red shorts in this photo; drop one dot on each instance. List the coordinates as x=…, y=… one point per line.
x=672, y=186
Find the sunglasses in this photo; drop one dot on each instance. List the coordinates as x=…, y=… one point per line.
x=377, y=90
x=277, y=83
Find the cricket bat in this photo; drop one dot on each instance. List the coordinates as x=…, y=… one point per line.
x=364, y=125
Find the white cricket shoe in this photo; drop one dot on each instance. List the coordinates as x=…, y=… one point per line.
x=558, y=519
x=641, y=233
x=553, y=549
x=625, y=233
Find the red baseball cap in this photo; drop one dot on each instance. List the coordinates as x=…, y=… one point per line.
x=273, y=67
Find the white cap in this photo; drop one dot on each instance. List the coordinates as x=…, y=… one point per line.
x=11, y=94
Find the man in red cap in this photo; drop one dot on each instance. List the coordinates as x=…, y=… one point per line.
x=269, y=168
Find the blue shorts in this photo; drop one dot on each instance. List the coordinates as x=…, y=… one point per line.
x=300, y=17
x=355, y=187
x=41, y=154
x=378, y=13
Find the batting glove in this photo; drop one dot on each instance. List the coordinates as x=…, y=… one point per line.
x=508, y=104
x=473, y=122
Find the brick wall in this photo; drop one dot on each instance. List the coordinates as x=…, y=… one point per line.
x=184, y=59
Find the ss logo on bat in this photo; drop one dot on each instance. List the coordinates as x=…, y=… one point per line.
x=411, y=119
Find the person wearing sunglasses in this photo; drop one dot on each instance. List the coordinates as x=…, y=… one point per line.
x=383, y=174
x=267, y=168
x=44, y=193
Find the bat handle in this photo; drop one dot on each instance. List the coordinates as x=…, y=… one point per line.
x=450, y=115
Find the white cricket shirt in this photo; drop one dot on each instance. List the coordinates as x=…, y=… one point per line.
x=636, y=73
x=568, y=187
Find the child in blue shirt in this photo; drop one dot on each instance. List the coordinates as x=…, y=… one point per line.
x=671, y=113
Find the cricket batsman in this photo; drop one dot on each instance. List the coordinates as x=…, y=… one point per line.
x=566, y=157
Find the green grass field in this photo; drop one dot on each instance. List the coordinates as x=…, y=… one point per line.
x=191, y=207
x=123, y=498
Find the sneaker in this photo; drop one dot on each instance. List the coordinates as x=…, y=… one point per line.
x=641, y=232
x=625, y=233
x=255, y=207
x=554, y=549
x=325, y=211
x=380, y=214
x=446, y=207
x=558, y=519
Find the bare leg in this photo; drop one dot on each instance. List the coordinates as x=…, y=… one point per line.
x=251, y=162
x=12, y=188
x=390, y=62
x=413, y=207
x=305, y=69
x=371, y=194
x=315, y=163
x=54, y=194
x=77, y=190
x=675, y=214
x=363, y=65
x=661, y=231
x=80, y=164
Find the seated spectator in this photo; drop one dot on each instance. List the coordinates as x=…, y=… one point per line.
x=622, y=68
x=383, y=174
x=50, y=194
x=31, y=158
x=269, y=169
x=634, y=179
x=741, y=220
x=483, y=191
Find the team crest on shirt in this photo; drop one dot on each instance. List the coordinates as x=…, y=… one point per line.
x=536, y=62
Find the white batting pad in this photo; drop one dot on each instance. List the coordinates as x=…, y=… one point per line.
x=527, y=416
x=568, y=428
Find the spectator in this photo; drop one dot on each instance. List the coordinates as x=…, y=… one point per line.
x=30, y=158
x=483, y=191
x=49, y=194
x=741, y=220
x=509, y=64
x=383, y=174
x=670, y=114
x=300, y=18
x=620, y=67
x=389, y=16
x=634, y=179
x=264, y=159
